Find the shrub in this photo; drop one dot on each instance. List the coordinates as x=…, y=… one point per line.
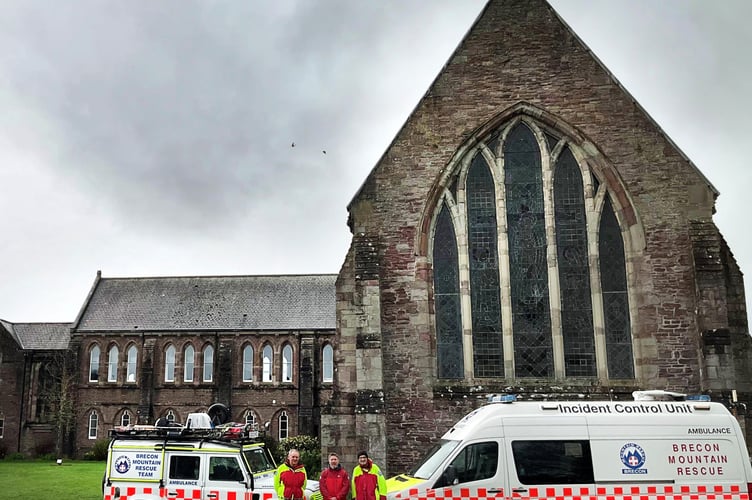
x=310, y=452
x=98, y=451
x=15, y=456
x=44, y=449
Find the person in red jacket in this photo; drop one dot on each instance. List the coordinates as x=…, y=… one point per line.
x=290, y=479
x=334, y=481
x=368, y=482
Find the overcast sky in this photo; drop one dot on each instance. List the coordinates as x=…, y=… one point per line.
x=150, y=138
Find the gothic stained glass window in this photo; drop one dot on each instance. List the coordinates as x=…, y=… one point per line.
x=615, y=300
x=447, y=299
x=574, y=269
x=485, y=294
x=531, y=321
x=508, y=237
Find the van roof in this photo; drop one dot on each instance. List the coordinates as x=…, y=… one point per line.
x=491, y=418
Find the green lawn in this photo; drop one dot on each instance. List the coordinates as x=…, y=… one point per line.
x=74, y=480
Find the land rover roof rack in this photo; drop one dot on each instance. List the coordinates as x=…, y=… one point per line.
x=230, y=432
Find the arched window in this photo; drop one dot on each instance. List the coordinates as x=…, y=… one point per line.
x=287, y=371
x=250, y=418
x=208, y=363
x=125, y=418
x=170, y=416
x=132, y=363
x=248, y=363
x=188, y=363
x=532, y=231
x=268, y=359
x=327, y=363
x=574, y=270
x=94, y=364
x=93, y=424
x=169, y=369
x=283, y=429
x=112, y=364
x=614, y=293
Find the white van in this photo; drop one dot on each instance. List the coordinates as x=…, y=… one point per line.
x=150, y=463
x=648, y=449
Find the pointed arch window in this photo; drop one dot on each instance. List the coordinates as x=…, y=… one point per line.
x=327, y=363
x=574, y=268
x=250, y=418
x=447, y=296
x=112, y=364
x=522, y=220
x=484, y=270
x=614, y=292
x=287, y=365
x=132, y=363
x=125, y=418
x=189, y=362
x=283, y=425
x=248, y=363
x=169, y=369
x=267, y=362
x=94, y=364
x=208, y=357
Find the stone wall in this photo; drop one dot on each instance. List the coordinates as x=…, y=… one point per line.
x=152, y=397
x=520, y=56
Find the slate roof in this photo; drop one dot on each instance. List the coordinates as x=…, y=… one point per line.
x=281, y=302
x=39, y=336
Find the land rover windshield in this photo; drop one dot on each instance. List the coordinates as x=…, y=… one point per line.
x=433, y=459
x=258, y=459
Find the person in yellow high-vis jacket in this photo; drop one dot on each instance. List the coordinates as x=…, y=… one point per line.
x=291, y=478
x=368, y=482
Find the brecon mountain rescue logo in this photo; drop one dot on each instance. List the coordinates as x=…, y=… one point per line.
x=122, y=464
x=633, y=456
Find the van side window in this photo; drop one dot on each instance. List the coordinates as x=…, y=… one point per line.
x=224, y=469
x=184, y=467
x=476, y=462
x=553, y=462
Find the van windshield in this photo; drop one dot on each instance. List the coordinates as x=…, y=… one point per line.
x=433, y=459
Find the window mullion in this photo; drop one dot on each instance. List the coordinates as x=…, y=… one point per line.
x=554, y=286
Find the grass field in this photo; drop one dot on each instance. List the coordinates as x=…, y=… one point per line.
x=30, y=480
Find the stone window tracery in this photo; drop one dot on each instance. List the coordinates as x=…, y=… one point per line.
x=531, y=231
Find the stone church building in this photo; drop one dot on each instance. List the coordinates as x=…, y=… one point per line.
x=530, y=229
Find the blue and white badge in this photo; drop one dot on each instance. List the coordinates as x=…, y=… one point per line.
x=633, y=456
x=122, y=464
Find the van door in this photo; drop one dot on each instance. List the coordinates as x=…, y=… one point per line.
x=225, y=479
x=476, y=471
x=548, y=457
x=183, y=479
